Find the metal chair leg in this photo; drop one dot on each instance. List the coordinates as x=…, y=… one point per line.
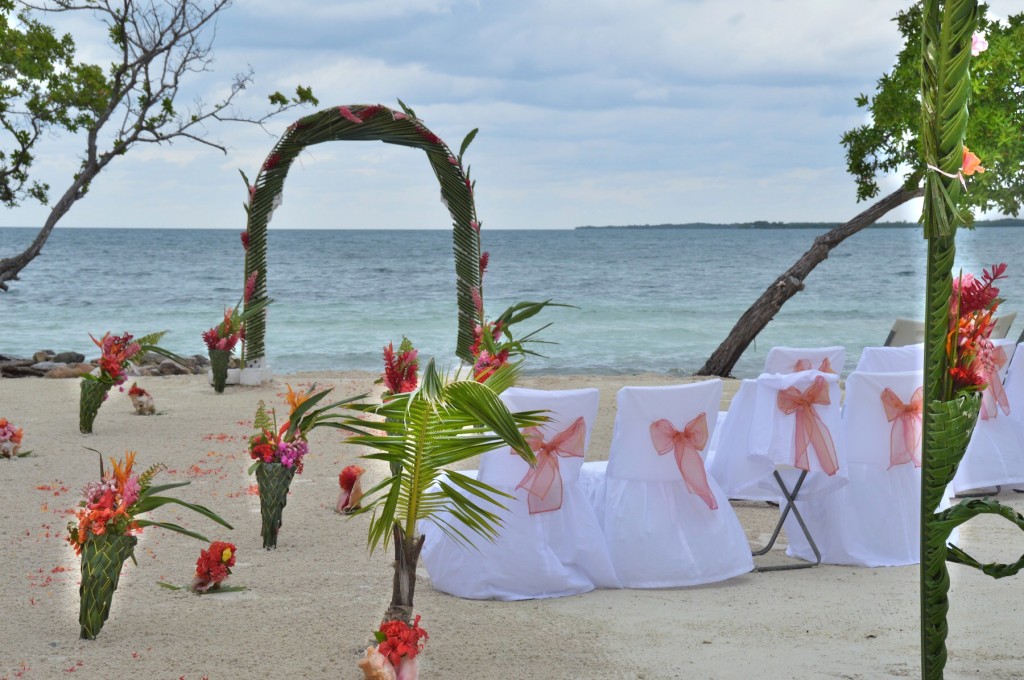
x=790, y=505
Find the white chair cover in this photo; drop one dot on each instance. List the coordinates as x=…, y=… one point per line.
x=874, y=520
x=730, y=463
x=891, y=359
x=1014, y=384
x=796, y=359
x=995, y=455
x=664, y=530
x=541, y=554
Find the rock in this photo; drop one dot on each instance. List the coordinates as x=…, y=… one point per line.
x=69, y=371
x=4, y=358
x=171, y=367
x=22, y=370
x=150, y=371
x=45, y=366
x=43, y=355
x=200, y=361
x=68, y=358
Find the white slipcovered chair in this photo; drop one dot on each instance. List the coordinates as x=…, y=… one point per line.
x=666, y=522
x=891, y=359
x=995, y=455
x=550, y=544
x=796, y=359
x=874, y=520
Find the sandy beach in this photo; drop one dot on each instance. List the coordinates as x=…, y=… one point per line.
x=310, y=606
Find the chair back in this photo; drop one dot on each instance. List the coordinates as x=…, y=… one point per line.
x=878, y=426
x=905, y=332
x=504, y=467
x=1014, y=383
x=1001, y=325
x=795, y=359
x=891, y=359
x=633, y=454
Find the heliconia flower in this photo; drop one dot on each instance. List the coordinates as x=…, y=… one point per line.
x=978, y=44
x=347, y=114
x=971, y=163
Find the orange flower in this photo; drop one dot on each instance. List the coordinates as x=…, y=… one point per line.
x=971, y=163
x=122, y=474
x=295, y=400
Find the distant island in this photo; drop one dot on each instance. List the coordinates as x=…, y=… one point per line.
x=762, y=224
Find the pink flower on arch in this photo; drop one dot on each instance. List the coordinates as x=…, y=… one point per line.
x=978, y=44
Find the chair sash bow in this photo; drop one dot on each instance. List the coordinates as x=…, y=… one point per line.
x=905, y=437
x=810, y=429
x=687, y=445
x=995, y=394
x=543, y=483
x=805, y=365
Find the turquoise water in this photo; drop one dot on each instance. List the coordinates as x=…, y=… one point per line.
x=647, y=300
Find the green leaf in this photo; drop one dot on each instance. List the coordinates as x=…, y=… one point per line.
x=466, y=142
x=173, y=527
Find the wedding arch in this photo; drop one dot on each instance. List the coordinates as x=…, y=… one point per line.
x=362, y=122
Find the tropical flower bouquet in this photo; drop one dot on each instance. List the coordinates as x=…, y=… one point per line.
x=10, y=440
x=278, y=451
x=213, y=567
x=142, y=401
x=104, y=532
x=969, y=349
x=394, y=656
x=222, y=338
x=351, y=489
x=116, y=353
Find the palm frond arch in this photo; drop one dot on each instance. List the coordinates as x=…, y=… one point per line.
x=366, y=123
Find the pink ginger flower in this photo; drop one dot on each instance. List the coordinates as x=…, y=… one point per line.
x=347, y=114
x=250, y=285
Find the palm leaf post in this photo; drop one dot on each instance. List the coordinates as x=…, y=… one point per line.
x=422, y=433
x=952, y=411
x=105, y=529
x=365, y=122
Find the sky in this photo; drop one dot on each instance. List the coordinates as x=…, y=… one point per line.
x=591, y=112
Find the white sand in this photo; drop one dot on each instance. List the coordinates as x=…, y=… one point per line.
x=311, y=605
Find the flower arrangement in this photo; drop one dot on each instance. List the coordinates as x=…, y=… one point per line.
x=142, y=401
x=394, y=657
x=972, y=306
x=400, y=370
x=117, y=352
x=222, y=338
x=105, y=528
x=10, y=440
x=351, y=489
x=278, y=452
x=213, y=567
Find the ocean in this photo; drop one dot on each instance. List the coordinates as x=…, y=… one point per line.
x=643, y=300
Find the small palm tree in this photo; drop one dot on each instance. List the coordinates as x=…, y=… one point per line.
x=445, y=421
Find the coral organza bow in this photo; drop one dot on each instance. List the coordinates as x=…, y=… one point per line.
x=805, y=365
x=995, y=394
x=905, y=437
x=687, y=445
x=543, y=483
x=810, y=429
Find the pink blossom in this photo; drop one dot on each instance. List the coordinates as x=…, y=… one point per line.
x=978, y=44
x=250, y=285
x=398, y=115
x=475, y=226
x=478, y=301
x=347, y=114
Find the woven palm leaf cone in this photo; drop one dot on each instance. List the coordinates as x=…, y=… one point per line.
x=274, y=480
x=102, y=559
x=219, y=359
x=93, y=394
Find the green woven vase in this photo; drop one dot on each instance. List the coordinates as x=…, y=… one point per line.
x=219, y=359
x=274, y=480
x=102, y=559
x=949, y=432
x=93, y=394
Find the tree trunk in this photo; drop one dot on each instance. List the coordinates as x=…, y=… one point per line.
x=753, y=321
x=407, y=555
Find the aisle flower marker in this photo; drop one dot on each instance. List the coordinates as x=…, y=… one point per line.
x=117, y=352
x=222, y=338
x=142, y=401
x=104, y=532
x=10, y=440
x=278, y=451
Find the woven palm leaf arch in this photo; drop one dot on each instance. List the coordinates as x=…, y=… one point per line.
x=366, y=123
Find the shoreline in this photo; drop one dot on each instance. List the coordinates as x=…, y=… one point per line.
x=310, y=606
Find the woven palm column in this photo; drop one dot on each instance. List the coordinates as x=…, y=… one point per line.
x=102, y=559
x=274, y=480
x=947, y=423
x=89, y=402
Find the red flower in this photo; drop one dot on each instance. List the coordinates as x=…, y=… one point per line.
x=245, y=240
x=348, y=476
x=484, y=260
x=400, y=370
x=398, y=639
x=213, y=566
x=250, y=285
x=965, y=378
x=347, y=114
x=272, y=161
x=370, y=111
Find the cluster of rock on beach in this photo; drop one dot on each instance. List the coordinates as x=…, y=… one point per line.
x=49, y=364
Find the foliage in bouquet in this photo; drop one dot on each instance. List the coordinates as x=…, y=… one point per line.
x=286, y=444
x=10, y=440
x=113, y=505
x=213, y=567
x=225, y=335
x=969, y=349
x=493, y=343
x=117, y=352
x=394, y=657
